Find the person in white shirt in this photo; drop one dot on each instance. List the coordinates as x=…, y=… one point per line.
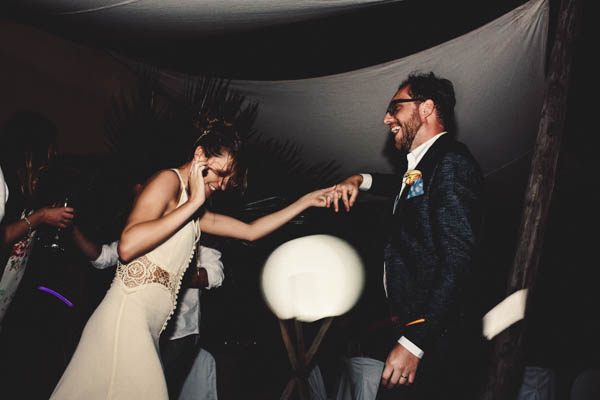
x=3, y=194
x=431, y=249
x=190, y=370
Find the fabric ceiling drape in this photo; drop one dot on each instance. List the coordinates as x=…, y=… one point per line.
x=208, y=16
x=497, y=70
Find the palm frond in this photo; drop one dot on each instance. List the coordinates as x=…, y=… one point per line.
x=207, y=96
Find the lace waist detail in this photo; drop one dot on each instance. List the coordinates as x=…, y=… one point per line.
x=142, y=271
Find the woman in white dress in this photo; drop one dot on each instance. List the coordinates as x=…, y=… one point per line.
x=117, y=356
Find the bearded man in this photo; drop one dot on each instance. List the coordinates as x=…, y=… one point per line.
x=430, y=253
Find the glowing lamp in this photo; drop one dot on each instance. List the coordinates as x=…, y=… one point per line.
x=312, y=277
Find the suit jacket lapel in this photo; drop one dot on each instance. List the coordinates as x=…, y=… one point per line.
x=426, y=166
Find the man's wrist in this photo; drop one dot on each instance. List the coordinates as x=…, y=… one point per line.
x=410, y=346
x=366, y=180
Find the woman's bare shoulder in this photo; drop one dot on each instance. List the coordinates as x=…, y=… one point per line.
x=163, y=177
x=163, y=183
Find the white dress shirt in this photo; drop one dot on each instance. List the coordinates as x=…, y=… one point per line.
x=187, y=318
x=108, y=256
x=3, y=194
x=413, y=158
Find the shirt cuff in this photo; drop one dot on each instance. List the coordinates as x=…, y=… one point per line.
x=108, y=256
x=410, y=346
x=366, y=183
x=210, y=260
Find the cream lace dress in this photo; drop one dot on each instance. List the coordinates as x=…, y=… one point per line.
x=117, y=356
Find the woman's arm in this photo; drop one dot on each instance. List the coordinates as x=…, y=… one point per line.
x=155, y=215
x=56, y=216
x=223, y=225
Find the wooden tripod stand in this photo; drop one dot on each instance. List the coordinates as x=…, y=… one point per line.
x=299, y=359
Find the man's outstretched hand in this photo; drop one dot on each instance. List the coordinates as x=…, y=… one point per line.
x=347, y=191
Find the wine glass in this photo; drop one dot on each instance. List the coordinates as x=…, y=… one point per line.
x=56, y=243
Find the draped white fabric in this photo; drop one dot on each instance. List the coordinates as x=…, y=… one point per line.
x=497, y=70
x=208, y=16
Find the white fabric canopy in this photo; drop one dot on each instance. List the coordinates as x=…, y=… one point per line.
x=497, y=70
x=209, y=16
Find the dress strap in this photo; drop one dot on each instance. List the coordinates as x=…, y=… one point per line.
x=183, y=189
x=195, y=222
x=179, y=176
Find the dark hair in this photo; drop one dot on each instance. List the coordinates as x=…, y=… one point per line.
x=27, y=147
x=216, y=137
x=439, y=90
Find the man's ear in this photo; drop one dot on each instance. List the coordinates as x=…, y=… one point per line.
x=199, y=154
x=426, y=108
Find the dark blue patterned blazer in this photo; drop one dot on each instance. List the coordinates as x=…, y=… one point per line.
x=432, y=244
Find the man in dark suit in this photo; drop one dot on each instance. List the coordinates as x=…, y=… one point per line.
x=430, y=254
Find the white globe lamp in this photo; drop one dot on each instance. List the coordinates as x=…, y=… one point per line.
x=312, y=277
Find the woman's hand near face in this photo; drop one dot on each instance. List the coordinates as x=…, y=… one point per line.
x=196, y=182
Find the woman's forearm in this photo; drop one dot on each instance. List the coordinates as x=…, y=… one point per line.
x=11, y=232
x=269, y=223
x=223, y=225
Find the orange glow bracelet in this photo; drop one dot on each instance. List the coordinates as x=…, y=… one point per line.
x=417, y=321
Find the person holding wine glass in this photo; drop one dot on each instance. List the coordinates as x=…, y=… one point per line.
x=28, y=146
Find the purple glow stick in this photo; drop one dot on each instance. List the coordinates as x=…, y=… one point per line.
x=61, y=297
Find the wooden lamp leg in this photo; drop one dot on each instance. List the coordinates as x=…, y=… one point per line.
x=301, y=361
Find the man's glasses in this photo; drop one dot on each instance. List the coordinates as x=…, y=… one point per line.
x=393, y=106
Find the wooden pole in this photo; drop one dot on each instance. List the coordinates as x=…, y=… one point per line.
x=507, y=359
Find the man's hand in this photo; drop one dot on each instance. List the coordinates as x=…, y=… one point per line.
x=347, y=190
x=400, y=367
x=199, y=279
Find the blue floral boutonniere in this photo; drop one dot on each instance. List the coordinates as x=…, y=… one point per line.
x=414, y=179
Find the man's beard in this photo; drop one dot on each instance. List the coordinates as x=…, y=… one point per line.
x=409, y=131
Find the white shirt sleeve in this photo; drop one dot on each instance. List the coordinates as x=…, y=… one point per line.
x=3, y=194
x=210, y=259
x=366, y=183
x=108, y=256
x=410, y=346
